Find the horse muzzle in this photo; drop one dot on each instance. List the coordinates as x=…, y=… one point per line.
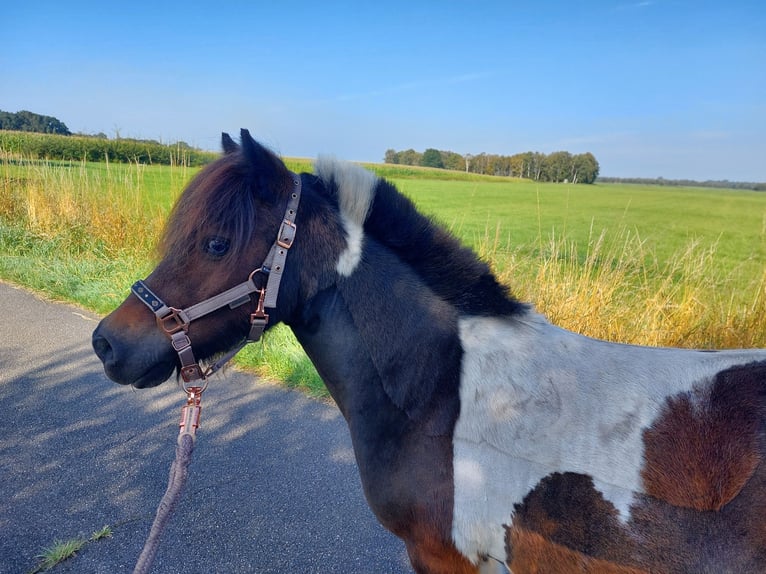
x=143, y=362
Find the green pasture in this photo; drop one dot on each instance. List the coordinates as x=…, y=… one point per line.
x=590, y=256
x=521, y=216
x=515, y=215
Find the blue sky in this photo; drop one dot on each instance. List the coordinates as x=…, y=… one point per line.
x=651, y=87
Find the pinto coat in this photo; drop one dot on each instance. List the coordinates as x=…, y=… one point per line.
x=483, y=434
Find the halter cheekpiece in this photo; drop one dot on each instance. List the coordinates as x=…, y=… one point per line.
x=175, y=322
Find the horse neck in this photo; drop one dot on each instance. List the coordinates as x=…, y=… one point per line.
x=381, y=339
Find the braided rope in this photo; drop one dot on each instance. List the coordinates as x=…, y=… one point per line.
x=179, y=471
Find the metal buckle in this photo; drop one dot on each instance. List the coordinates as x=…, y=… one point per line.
x=286, y=234
x=181, y=324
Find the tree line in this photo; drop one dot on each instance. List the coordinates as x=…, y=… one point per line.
x=25, y=121
x=36, y=136
x=718, y=183
x=560, y=166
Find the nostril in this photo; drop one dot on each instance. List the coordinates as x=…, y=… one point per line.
x=102, y=347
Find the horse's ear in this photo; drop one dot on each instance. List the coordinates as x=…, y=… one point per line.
x=229, y=145
x=266, y=166
x=259, y=156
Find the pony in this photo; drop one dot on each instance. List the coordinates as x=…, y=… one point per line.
x=485, y=437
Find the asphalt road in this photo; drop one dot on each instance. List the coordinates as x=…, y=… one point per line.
x=273, y=486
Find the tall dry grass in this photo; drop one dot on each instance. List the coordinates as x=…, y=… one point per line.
x=84, y=209
x=77, y=231
x=620, y=291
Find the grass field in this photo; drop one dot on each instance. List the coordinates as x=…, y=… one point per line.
x=637, y=264
x=668, y=220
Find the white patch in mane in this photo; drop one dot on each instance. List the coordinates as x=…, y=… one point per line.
x=536, y=399
x=356, y=190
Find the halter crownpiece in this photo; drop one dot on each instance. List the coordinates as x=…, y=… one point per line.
x=175, y=322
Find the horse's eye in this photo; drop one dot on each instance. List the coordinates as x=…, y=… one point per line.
x=216, y=246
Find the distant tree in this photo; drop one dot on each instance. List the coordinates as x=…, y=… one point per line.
x=391, y=156
x=409, y=157
x=479, y=163
x=535, y=166
x=557, y=166
x=584, y=168
x=453, y=160
x=26, y=121
x=520, y=164
x=499, y=165
x=432, y=158
x=7, y=121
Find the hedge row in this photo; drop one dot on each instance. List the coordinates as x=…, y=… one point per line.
x=78, y=148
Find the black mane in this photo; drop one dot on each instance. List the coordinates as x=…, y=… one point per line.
x=451, y=270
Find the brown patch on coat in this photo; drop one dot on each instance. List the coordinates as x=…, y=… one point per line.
x=676, y=540
x=705, y=445
x=565, y=525
x=551, y=534
x=714, y=521
x=535, y=554
x=430, y=554
x=566, y=509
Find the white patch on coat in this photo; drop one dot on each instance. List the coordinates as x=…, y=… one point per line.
x=536, y=399
x=356, y=191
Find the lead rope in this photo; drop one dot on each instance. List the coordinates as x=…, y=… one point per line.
x=179, y=471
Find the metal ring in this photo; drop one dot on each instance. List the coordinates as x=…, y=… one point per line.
x=259, y=270
x=183, y=384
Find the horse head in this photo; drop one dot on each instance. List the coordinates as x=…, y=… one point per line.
x=220, y=234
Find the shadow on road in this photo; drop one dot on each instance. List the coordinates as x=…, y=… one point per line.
x=273, y=486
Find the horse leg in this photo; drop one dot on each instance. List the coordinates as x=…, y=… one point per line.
x=439, y=559
x=425, y=562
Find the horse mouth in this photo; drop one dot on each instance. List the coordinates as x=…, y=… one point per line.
x=152, y=377
x=140, y=366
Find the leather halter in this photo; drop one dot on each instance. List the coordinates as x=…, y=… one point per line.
x=175, y=322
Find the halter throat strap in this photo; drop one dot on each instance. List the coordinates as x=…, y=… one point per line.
x=175, y=322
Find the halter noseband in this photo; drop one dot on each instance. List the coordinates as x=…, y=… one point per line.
x=175, y=322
